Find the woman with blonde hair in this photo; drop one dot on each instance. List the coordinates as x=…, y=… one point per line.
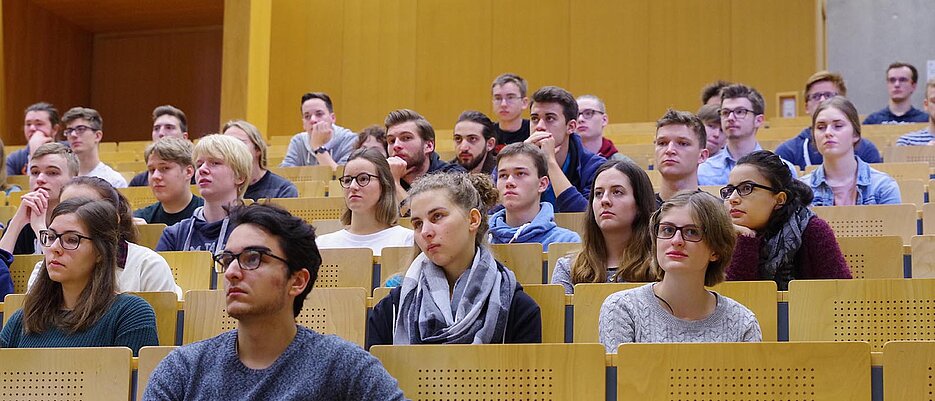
x=617, y=243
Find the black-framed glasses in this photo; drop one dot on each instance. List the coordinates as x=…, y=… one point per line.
x=588, y=113
x=68, y=240
x=739, y=112
x=248, y=259
x=508, y=98
x=78, y=131
x=819, y=96
x=690, y=233
x=362, y=179
x=743, y=189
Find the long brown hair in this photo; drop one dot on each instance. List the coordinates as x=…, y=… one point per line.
x=386, y=210
x=128, y=230
x=590, y=265
x=43, y=306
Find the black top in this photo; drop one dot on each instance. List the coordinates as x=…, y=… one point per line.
x=142, y=180
x=435, y=165
x=154, y=214
x=26, y=242
x=507, y=137
x=524, y=324
x=271, y=186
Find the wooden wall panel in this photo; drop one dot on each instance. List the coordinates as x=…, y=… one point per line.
x=45, y=59
x=135, y=72
x=453, y=52
x=532, y=38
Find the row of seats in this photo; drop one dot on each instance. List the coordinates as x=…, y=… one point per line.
x=873, y=310
x=681, y=371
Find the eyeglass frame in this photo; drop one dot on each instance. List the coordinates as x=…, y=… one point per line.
x=819, y=96
x=740, y=113
x=753, y=185
x=356, y=178
x=585, y=113
x=510, y=99
x=219, y=267
x=679, y=229
x=83, y=128
x=57, y=237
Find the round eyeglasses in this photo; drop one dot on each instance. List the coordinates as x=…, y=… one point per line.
x=690, y=233
x=743, y=189
x=68, y=240
x=362, y=179
x=248, y=259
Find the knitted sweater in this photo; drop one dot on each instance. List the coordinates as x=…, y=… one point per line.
x=635, y=316
x=818, y=257
x=313, y=367
x=130, y=322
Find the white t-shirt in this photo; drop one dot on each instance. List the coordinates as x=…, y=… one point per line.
x=108, y=174
x=146, y=270
x=393, y=236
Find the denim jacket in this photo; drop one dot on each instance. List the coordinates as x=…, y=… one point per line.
x=716, y=170
x=874, y=187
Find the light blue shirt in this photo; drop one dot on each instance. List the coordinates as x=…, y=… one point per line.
x=716, y=169
x=874, y=187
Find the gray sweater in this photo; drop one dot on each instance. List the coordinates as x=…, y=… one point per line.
x=313, y=367
x=299, y=152
x=635, y=316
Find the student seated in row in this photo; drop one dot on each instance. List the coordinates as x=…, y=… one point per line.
x=843, y=178
x=779, y=237
x=455, y=292
x=522, y=177
x=74, y=302
x=223, y=166
x=169, y=161
x=372, y=214
x=263, y=183
x=692, y=244
x=138, y=267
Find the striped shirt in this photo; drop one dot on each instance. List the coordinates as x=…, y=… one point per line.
x=915, y=138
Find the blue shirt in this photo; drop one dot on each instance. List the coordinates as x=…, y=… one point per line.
x=716, y=169
x=915, y=138
x=874, y=187
x=885, y=116
x=794, y=150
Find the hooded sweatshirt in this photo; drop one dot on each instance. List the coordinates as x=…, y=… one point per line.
x=541, y=229
x=196, y=234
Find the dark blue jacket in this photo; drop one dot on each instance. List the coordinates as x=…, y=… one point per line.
x=791, y=150
x=885, y=116
x=583, y=166
x=6, y=281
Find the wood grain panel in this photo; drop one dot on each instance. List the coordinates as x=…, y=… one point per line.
x=533, y=39
x=45, y=59
x=123, y=15
x=134, y=73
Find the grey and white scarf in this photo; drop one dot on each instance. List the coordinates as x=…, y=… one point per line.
x=779, y=250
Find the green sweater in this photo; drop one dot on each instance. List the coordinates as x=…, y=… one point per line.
x=130, y=322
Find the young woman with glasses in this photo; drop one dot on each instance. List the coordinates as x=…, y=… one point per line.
x=74, y=302
x=779, y=239
x=692, y=244
x=617, y=242
x=843, y=178
x=371, y=215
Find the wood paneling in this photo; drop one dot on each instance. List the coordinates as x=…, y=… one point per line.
x=135, y=72
x=135, y=15
x=45, y=59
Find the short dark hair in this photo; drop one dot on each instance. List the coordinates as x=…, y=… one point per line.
x=534, y=153
x=375, y=131
x=900, y=64
x=318, y=95
x=676, y=117
x=479, y=118
x=84, y=113
x=48, y=108
x=396, y=117
x=713, y=89
x=554, y=94
x=747, y=92
x=296, y=238
x=173, y=111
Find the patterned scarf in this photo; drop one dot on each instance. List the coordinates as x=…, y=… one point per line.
x=476, y=311
x=779, y=250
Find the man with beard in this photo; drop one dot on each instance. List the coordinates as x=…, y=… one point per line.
x=474, y=141
x=410, y=142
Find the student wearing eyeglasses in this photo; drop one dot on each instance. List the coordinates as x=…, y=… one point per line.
x=263, y=183
x=371, y=215
x=83, y=130
x=845, y=179
x=802, y=149
x=74, y=302
x=692, y=244
x=779, y=238
x=592, y=119
x=269, y=265
x=901, y=79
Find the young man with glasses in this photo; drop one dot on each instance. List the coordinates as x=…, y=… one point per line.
x=800, y=150
x=270, y=264
x=554, y=118
x=592, y=118
x=51, y=167
x=901, y=81
x=474, y=142
x=83, y=132
x=508, y=93
x=741, y=112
